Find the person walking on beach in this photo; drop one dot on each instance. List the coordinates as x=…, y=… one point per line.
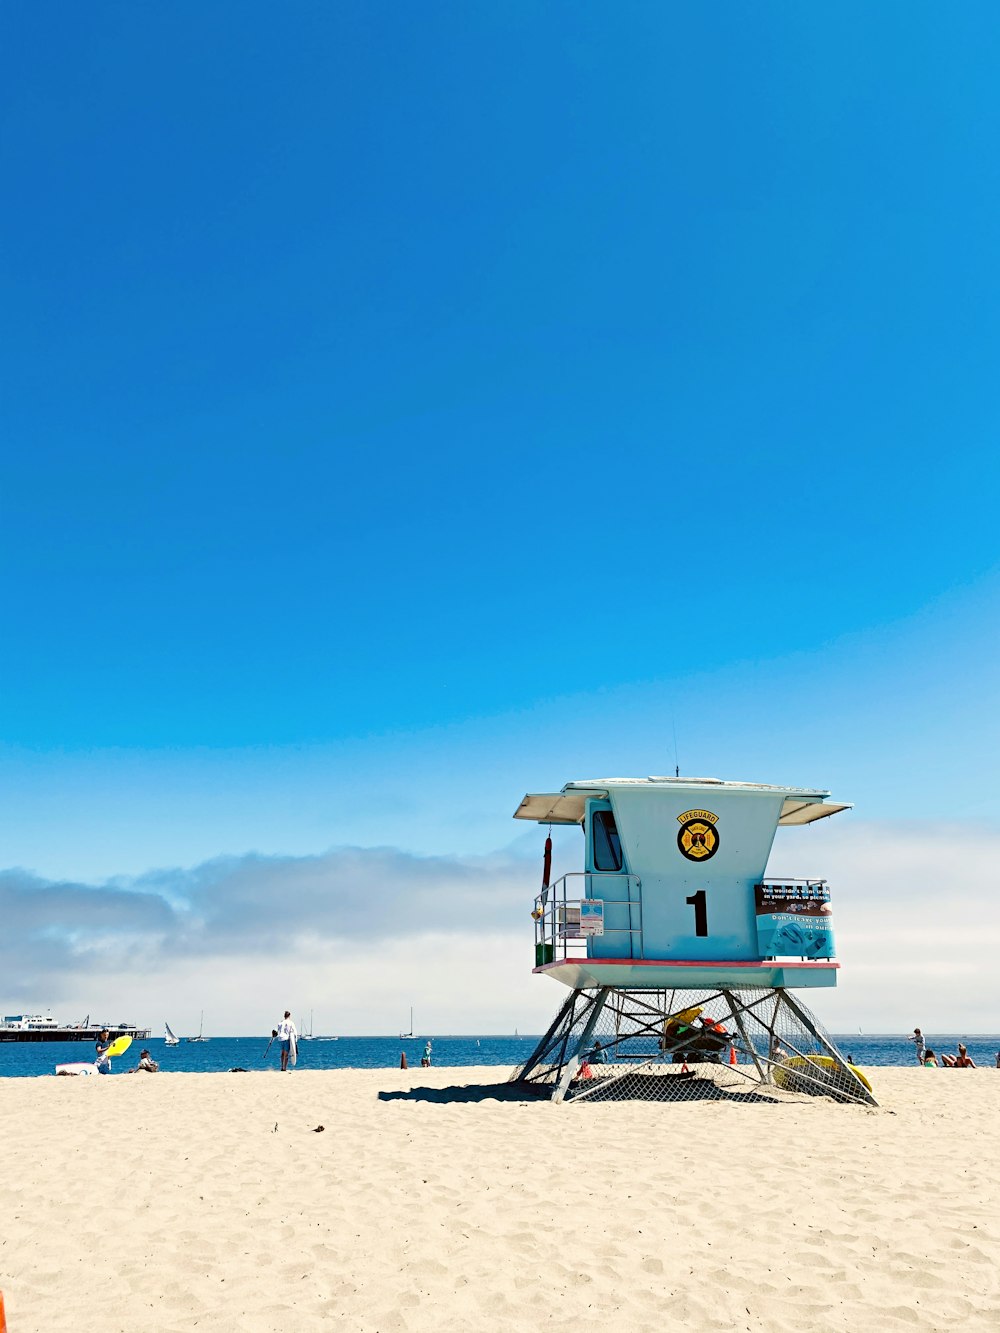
x=101, y=1047
x=288, y=1038
x=921, y=1045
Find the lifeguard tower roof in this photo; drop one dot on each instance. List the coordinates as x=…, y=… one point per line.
x=802, y=805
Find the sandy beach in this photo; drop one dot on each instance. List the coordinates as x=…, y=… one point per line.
x=432, y=1200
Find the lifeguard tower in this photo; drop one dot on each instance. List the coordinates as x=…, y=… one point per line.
x=681, y=958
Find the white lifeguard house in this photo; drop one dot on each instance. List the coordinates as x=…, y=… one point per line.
x=674, y=943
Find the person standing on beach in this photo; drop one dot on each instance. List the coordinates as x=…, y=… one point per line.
x=921, y=1045
x=101, y=1051
x=425, y=1059
x=289, y=1039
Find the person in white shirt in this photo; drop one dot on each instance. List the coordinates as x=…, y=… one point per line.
x=146, y=1065
x=289, y=1039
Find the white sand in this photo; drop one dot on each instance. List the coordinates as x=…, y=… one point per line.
x=168, y=1202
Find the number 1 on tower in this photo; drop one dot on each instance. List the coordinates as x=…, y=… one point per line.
x=697, y=901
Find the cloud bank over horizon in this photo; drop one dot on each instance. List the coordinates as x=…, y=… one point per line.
x=359, y=934
x=355, y=932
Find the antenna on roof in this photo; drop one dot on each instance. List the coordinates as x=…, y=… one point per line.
x=677, y=767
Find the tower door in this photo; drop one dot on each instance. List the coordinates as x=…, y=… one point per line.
x=607, y=878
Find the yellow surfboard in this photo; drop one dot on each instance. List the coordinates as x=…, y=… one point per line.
x=119, y=1046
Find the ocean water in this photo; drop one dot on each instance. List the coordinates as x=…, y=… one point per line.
x=32, y=1059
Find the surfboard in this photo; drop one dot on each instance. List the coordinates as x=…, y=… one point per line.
x=119, y=1046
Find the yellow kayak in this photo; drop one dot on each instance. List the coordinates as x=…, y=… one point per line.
x=784, y=1077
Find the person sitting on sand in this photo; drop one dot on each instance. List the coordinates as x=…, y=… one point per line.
x=960, y=1061
x=146, y=1065
x=930, y=1059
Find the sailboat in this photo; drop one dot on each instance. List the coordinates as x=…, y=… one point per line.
x=170, y=1039
x=406, y=1036
x=308, y=1036
x=201, y=1025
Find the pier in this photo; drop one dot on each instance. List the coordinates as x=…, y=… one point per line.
x=43, y=1027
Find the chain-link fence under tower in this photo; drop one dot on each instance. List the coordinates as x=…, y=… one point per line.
x=690, y=1045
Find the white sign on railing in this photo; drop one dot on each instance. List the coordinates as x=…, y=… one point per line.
x=592, y=916
x=585, y=917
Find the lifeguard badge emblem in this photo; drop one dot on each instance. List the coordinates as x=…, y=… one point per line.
x=698, y=838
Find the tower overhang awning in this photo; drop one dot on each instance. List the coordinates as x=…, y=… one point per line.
x=557, y=808
x=797, y=811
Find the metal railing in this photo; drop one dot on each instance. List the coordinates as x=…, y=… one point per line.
x=777, y=881
x=559, y=931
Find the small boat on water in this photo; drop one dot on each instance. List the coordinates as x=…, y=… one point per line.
x=408, y=1036
x=308, y=1036
x=201, y=1027
x=170, y=1039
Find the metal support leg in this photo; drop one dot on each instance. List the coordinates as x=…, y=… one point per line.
x=572, y=1064
x=536, y=1057
x=737, y=1013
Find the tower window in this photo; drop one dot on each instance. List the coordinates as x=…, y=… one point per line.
x=607, y=844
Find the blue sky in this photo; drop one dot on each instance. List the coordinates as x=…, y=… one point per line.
x=404, y=407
